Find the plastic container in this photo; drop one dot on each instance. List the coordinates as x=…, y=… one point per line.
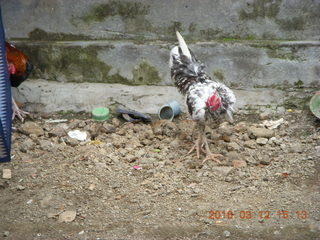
x=100, y=114
x=169, y=110
x=315, y=104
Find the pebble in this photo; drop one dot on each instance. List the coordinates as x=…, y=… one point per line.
x=255, y=132
x=262, y=141
x=250, y=144
x=6, y=173
x=31, y=128
x=6, y=233
x=227, y=234
x=239, y=163
x=233, y=155
x=265, y=160
x=67, y=216
x=27, y=145
x=233, y=146
x=297, y=148
x=241, y=127
x=58, y=130
x=45, y=202
x=225, y=129
x=20, y=188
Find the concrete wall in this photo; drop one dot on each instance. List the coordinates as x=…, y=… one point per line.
x=244, y=43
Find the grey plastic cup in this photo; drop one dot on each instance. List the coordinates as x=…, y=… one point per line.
x=169, y=110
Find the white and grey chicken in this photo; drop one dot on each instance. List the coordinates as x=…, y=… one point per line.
x=208, y=101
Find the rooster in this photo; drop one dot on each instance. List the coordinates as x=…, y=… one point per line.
x=207, y=100
x=19, y=69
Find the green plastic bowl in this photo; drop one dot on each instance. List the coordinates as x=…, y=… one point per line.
x=315, y=104
x=100, y=114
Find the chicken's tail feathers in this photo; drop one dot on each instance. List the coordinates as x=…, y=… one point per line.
x=183, y=46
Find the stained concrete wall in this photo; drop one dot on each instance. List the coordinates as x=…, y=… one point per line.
x=245, y=43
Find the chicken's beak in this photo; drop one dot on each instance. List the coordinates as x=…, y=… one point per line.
x=229, y=116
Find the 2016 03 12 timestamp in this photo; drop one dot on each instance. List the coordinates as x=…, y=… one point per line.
x=263, y=214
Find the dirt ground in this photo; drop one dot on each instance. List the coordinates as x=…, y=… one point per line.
x=136, y=180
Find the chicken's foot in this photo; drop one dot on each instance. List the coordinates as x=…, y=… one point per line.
x=16, y=111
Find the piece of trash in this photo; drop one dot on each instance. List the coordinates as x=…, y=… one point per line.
x=137, y=167
x=100, y=114
x=314, y=104
x=169, y=110
x=272, y=124
x=80, y=233
x=289, y=110
x=56, y=120
x=92, y=187
x=30, y=201
x=156, y=150
x=67, y=216
x=6, y=173
x=95, y=142
x=77, y=134
x=133, y=116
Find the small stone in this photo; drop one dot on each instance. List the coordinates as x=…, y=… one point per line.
x=225, y=129
x=297, y=148
x=227, y=234
x=175, y=144
x=255, y=132
x=116, y=122
x=239, y=163
x=6, y=233
x=241, y=127
x=109, y=128
x=29, y=128
x=92, y=187
x=27, y=145
x=226, y=138
x=67, y=216
x=6, y=173
x=58, y=130
x=262, y=141
x=233, y=146
x=20, y=188
x=250, y=144
x=265, y=160
x=233, y=155
x=228, y=179
x=45, y=202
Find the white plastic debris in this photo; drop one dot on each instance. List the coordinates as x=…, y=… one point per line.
x=6, y=173
x=272, y=124
x=77, y=134
x=56, y=120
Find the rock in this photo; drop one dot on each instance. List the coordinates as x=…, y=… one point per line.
x=46, y=145
x=233, y=155
x=45, y=202
x=175, y=144
x=221, y=171
x=225, y=129
x=239, y=163
x=20, y=188
x=116, y=122
x=6, y=233
x=245, y=137
x=227, y=234
x=92, y=187
x=250, y=144
x=6, y=173
x=251, y=161
x=265, y=160
x=318, y=150
x=255, y=132
x=297, y=148
x=166, y=128
x=262, y=141
x=58, y=130
x=27, y=145
x=31, y=128
x=241, y=127
x=226, y=138
x=67, y=216
x=275, y=141
x=108, y=128
x=233, y=146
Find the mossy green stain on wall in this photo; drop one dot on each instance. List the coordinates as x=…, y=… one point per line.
x=39, y=34
x=127, y=10
x=261, y=8
x=145, y=74
x=71, y=64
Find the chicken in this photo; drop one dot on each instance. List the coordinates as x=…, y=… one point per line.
x=19, y=69
x=208, y=101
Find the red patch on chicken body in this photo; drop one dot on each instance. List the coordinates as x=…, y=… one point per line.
x=213, y=103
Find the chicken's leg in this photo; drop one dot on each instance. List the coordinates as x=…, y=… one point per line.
x=16, y=111
x=210, y=155
x=198, y=142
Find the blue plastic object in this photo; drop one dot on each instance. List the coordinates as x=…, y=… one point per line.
x=5, y=101
x=169, y=110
